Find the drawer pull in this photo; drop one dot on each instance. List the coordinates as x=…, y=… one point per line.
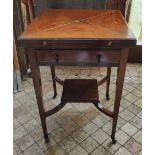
x=109, y=43
x=57, y=57
x=99, y=58
x=44, y=43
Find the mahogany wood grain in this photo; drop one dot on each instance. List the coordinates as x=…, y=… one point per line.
x=108, y=82
x=61, y=82
x=78, y=38
x=102, y=81
x=54, y=81
x=55, y=109
x=79, y=58
x=80, y=90
x=38, y=90
x=135, y=54
x=104, y=110
x=55, y=28
x=119, y=87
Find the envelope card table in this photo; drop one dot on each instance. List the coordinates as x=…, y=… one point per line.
x=70, y=37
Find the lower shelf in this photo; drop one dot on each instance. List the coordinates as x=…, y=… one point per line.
x=80, y=90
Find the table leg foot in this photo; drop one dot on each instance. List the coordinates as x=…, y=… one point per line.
x=107, y=96
x=113, y=140
x=46, y=139
x=54, y=96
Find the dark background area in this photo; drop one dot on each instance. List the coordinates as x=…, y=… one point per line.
x=70, y=4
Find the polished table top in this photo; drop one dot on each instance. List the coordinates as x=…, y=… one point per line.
x=79, y=25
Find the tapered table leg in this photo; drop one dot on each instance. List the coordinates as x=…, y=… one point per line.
x=54, y=81
x=119, y=87
x=108, y=82
x=38, y=90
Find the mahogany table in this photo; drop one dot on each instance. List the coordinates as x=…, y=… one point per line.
x=64, y=37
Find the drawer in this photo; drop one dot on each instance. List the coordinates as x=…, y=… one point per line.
x=78, y=58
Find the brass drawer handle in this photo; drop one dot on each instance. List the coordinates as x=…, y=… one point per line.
x=99, y=58
x=57, y=58
x=44, y=43
x=109, y=43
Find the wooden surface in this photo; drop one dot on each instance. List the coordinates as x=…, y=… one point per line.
x=135, y=54
x=80, y=90
x=78, y=58
x=74, y=25
x=119, y=86
x=78, y=37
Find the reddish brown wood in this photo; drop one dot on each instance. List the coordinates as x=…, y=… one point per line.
x=54, y=81
x=104, y=110
x=71, y=29
x=80, y=90
x=119, y=87
x=135, y=54
x=61, y=82
x=108, y=82
x=38, y=90
x=70, y=57
x=102, y=81
x=54, y=110
x=91, y=37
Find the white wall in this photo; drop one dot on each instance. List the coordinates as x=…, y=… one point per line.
x=135, y=20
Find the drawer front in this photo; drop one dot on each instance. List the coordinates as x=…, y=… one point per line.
x=78, y=58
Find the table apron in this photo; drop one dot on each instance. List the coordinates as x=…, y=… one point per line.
x=77, y=58
x=76, y=44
